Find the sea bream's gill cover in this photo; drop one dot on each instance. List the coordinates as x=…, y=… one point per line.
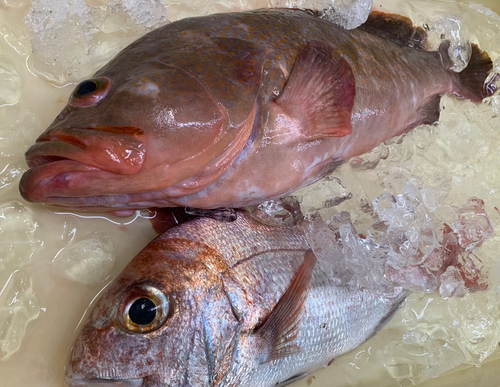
x=212, y=303
x=232, y=109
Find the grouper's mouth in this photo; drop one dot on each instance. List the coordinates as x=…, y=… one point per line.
x=63, y=159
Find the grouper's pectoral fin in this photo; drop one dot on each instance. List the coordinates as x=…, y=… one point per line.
x=319, y=93
x=281, y=327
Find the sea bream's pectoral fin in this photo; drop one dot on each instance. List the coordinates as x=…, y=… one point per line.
x=319, y=93
x=281, y=327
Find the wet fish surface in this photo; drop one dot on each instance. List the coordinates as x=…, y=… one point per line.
x=212, y=303
x=230, y=110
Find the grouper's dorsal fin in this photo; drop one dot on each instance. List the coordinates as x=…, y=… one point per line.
x=281, y=328
x=395, y=28
x=319, y=93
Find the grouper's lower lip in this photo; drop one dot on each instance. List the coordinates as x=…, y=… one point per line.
x=38, y=181
x=68, y=184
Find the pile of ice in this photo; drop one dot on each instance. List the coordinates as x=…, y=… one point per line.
x=408, y=245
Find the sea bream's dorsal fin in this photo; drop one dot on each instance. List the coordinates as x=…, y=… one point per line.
x=281, y=327
x=319, y=94
x=395, y=28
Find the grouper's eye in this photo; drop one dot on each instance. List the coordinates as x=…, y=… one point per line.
x=144, y=309
x=90, y=92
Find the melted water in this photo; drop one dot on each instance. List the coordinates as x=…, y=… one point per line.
x=43, y=280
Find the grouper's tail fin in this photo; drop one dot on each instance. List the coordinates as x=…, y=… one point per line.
x=472, y=83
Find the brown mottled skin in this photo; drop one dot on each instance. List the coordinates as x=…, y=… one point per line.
x=221, y=296
x=202, y=117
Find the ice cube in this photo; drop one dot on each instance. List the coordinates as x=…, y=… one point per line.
x=450, y=37
x=411, y=232
x=354, y=249
x=71, y=39
x=89, y=261
x=18, y=306
x=9, y=174
x=452, y=284
x=281, y=212
x=348, y=14
x=473, y=225
x=18, y=242
x=414, y=278
x=327, y=248
x=435, y=197
x=371, y=159
x=10, y=82
x=13, y=3
x=446, y=31
x=423, y=354
x=148, y=13
x=60, y=43
x=328, y=192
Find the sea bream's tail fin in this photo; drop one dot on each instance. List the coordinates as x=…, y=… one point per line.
x=474, y=82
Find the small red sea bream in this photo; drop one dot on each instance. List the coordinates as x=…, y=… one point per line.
x=233, y=109
x=194, y=308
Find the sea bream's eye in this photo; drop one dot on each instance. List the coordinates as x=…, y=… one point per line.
x=144, y=309
x=90, y=92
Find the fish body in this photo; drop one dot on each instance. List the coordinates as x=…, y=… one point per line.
x=230, y=110
x=237, y=304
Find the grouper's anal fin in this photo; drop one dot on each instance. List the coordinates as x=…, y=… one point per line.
x=318, y=97
x=281, y=327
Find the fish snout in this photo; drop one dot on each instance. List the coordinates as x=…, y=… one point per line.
x=117, y=150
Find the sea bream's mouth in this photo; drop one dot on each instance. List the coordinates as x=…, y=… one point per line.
x=60, y=153
x=77, y=380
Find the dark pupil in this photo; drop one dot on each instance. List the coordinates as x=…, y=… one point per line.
x=142, y=311
x=86, y=87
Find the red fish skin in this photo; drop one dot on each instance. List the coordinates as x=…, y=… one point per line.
x=204, y=94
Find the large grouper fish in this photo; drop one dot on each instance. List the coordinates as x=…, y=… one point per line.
x=210, y=303
x=233, y=109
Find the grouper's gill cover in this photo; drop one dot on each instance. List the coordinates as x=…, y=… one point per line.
x=194, y=308
x=233, y=109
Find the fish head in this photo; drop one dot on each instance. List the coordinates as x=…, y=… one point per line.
x=155, y=325
x=125, y=134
